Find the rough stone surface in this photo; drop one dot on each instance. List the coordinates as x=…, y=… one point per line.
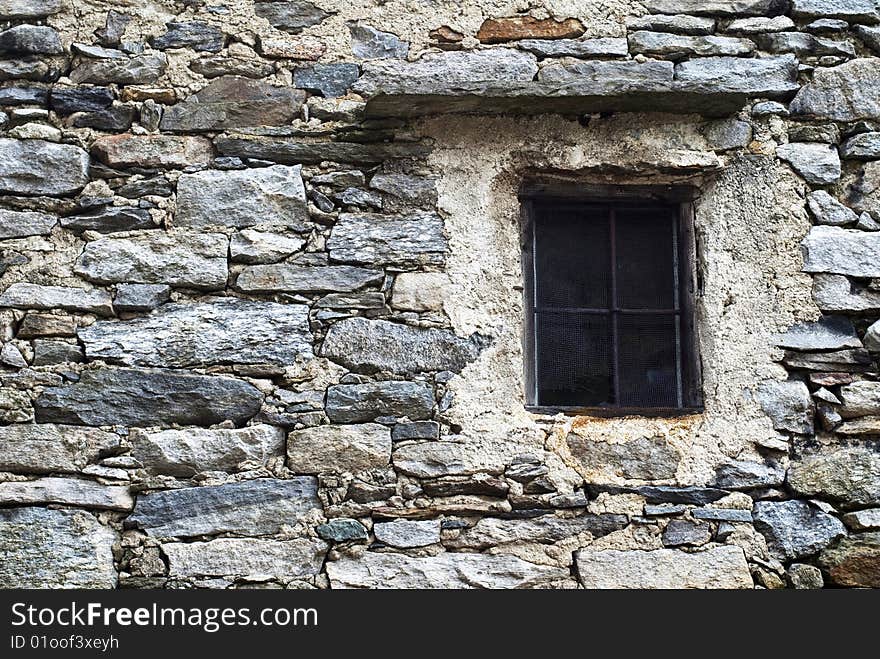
x=841, y=251
x=290, y=15
x=500, y=30
x=804, y=577
x=848, y=474
x=256, y=507
x=109, y=219
x=720, y=567
x=863, y=520
x=645, y=458
x=140, y=297
x=67, y=492
x=190, y=34
x=189, y=451
x=55, y=549
x=854, y=561
x=673, y=46
x=854, y=10
x=848, y=92
x=372, y=239
x=215, y=332
x=342, y=530
x=819, y=164
x=407, y=534
x=827, y=210
x=183, y=259
x=746, y=475
x=864, y=146
x=788, y=404
x=301, y=557
x=379, y=345
x=20, y=224
x=33, y=296
x=145, y=398
x=252, y=246
x=836, y=293
x=47, y=448
x=445, y=458
x=270, y=195
x=827, y=333
x=774, y=77
x=350, y=448
x=491, y=532
x=860, y=398
x=306, y=279
x=137, y=70
x=597, y=47
x=680, y=532
x=447, y=570
x=153, y=150
x=35, y=167
x=356, y=403
x=369, y=43
x=329, y=80
x=420, y=291
x=794, y=529
x=234, y=102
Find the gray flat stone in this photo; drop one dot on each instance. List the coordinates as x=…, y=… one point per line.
x=680, y=24
x=841, y=251
x=408, y=534
x=289, y=559
x=848, y=92
x=46, y=448
x=139, y=397
x=355, y=403
x=827, y=210
x=852, y=10
x=272, y=196
x=190, y=34
x=836, y=293
x=773, y=77
x=674, y=46
x=231, y=102
x=260, y=247
x=745, y=475
x=794, y=529
x=30, y=40
x=328, y=80
x=446, y=570
x=372, y=239
x=719, y=567
x=596, y=47
x=129, y=150
x=178, y=258
x=350, y=448
x=546, y=529
x=342, y=529
x=66, y=492
x=759, y=25
x=827, y=333
x=289, y=277
x=379, y=345
x=445, y=458
x=256, y=507
x=804, y=45
x=713, y=7
x=28, y=9
x=138, y=70
x=140, y=297
x=290, y=15
x=683, y=532
x=55, y=548
x=818, y=164
x=22, y=295
x=223, y=330
x=35, y=167
x=860, y=398
x=20, y=224
x=109, y=219
x=189, y=451
x=369, y=43
x=864, y=146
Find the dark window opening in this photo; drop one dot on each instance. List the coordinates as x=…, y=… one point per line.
x=610, y=306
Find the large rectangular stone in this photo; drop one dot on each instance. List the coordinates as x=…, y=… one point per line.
x=491, y=532
x=44, y=548
x=402, y=240
x=35, y=167
x=353, y=403
x=188, y=451
x=271, y=196
x=221, y=331
x=340, y=449
x=228, y=557
x=774, y=77
x=23, y=295
x=720, y=567
x=67, y=492
x=292, y=278
x=256, y=507
x=177, y=258
x=45, y=448
x=19, y=224
x=142, y=397
x=842, y=251
x=859, y=11
x=715, y=7
x=447, y=570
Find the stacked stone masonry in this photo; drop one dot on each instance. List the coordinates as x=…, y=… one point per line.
x=261, y=298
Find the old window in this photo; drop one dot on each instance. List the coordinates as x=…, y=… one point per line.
x=609, y=302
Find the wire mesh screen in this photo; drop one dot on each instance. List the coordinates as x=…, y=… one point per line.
x=606, y=303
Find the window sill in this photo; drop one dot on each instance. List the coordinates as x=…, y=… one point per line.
x=606, y=412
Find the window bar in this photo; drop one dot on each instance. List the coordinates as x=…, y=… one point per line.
x=535, y=324
x=679, y=394
x=615, y=376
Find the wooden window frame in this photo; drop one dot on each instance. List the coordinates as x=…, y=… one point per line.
x=680, y=196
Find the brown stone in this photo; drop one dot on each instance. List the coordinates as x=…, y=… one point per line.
x=165, y=95
x=499, y=30
x=445, y=34
x=854, y=561
x=129, y=150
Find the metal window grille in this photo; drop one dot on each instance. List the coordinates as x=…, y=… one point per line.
x=610, y=325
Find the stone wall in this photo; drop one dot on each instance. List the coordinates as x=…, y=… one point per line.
x=261, y=298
